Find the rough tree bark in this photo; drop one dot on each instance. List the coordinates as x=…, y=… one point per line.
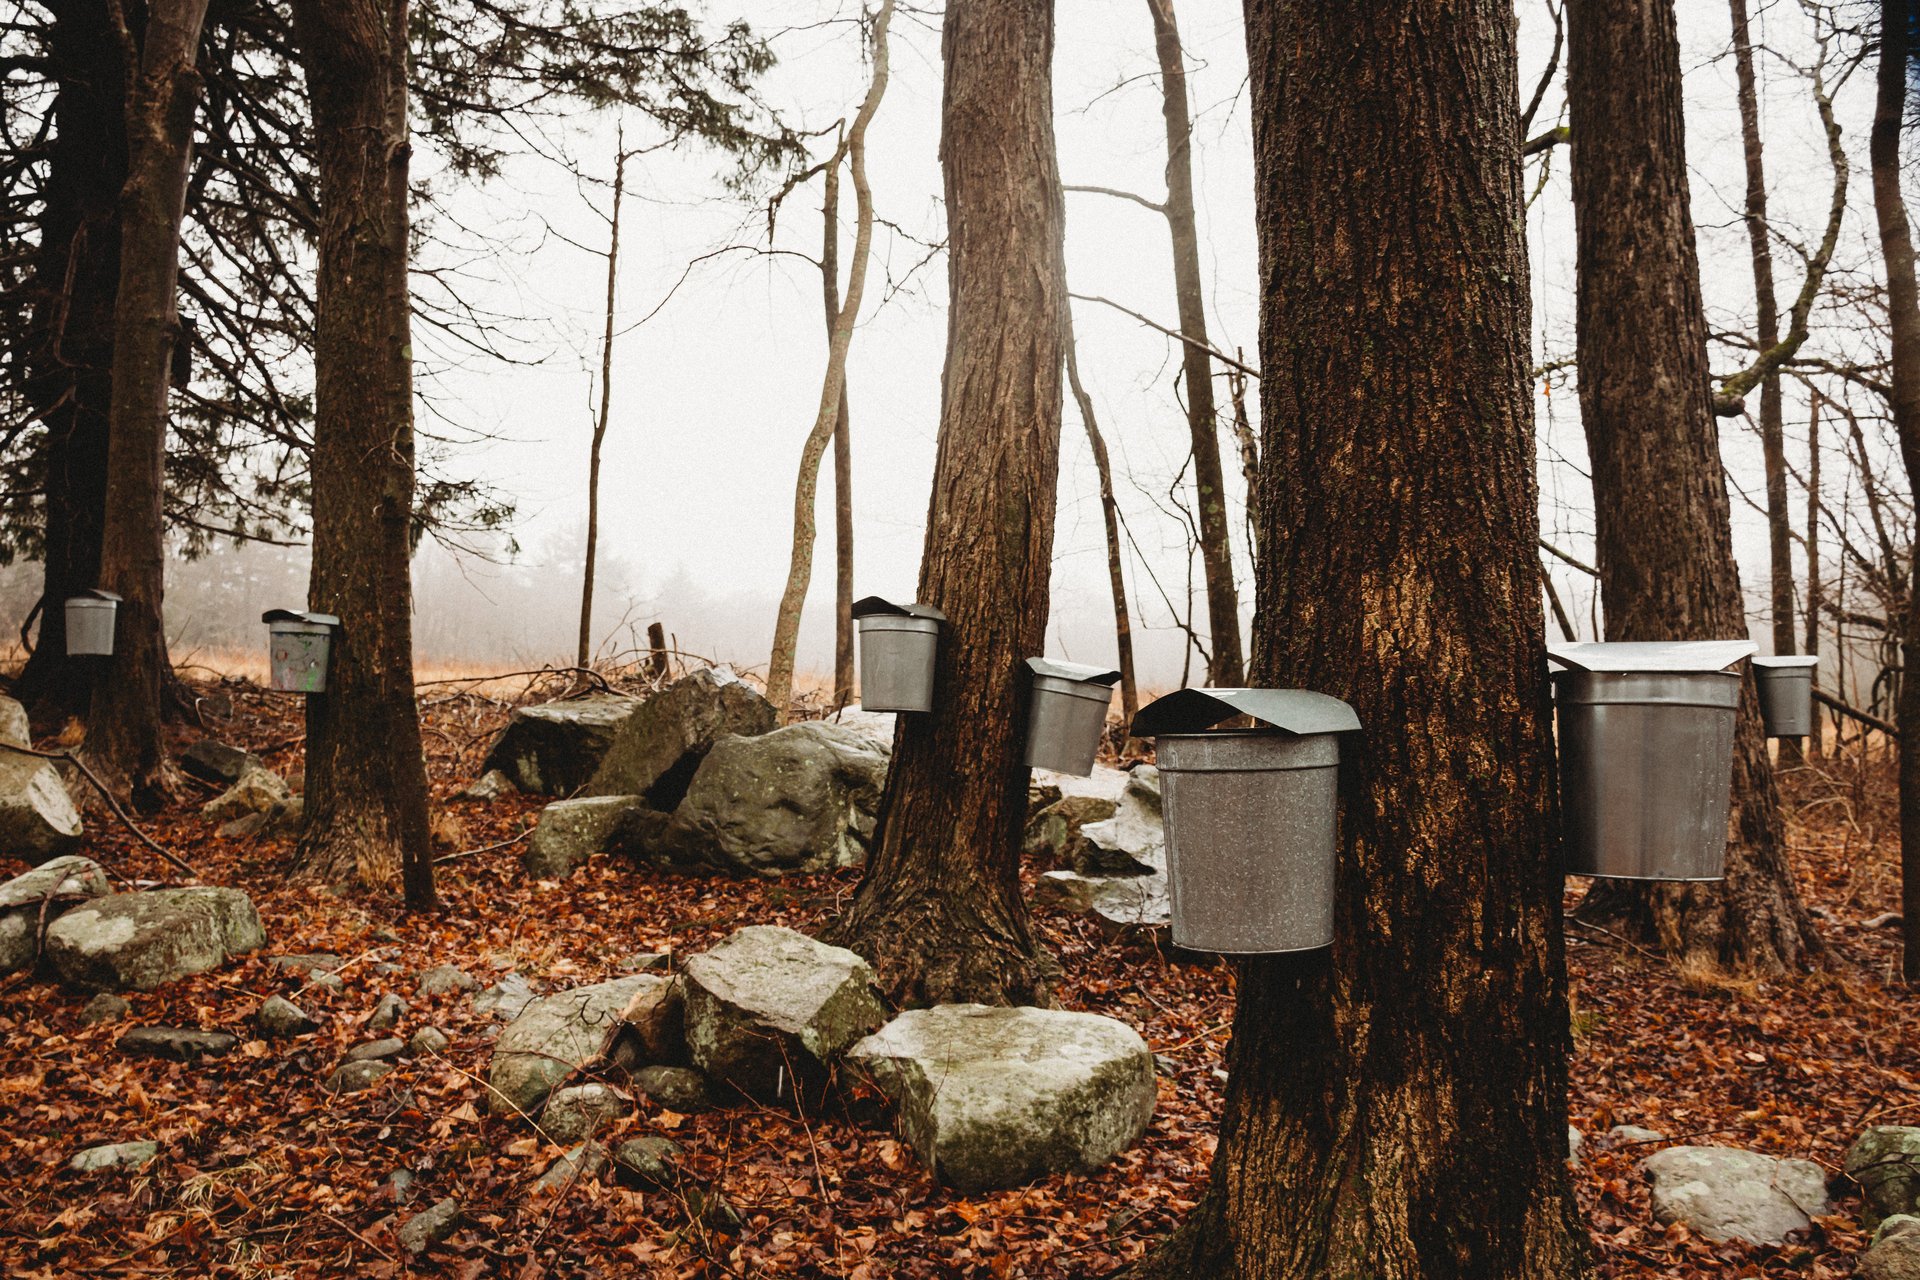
x=1814, y=589
x=786, y=627
x=1903, y=316
x=1110, y=515
x=842, y=451
x=1226, y=669
x=366, y=792
x=68, y=358
x=939, y=911
x=1665, y=546
x=1396, y=1105
x=584, y=651
x=125, y=723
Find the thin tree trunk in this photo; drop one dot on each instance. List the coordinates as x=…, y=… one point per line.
x=585, y=651
x=1396, y=1104
x=786, y=628
x=1667, y=570
x=1110, y=513
x=366, y=793
x=842, y=451
x=940, y=912
x=1226, y=670
x=125, y=729
x=1814, y=590
x=1903, y=316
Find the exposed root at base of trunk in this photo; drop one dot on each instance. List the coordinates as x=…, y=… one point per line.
x=930, y=952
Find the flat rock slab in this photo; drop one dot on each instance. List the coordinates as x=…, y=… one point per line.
x=38, y=819
x=182, y=1044
x=118, y=1155
x=218, y=763
x=44, y=893
x=769, y=1005
x=571, y=831
x=1724, y=1193
x=1885, y=1161
x=657, y=749
x=1118, y=903
x=554, y=748
x=552, y=1037
x=996, y=1097
x=142, y=941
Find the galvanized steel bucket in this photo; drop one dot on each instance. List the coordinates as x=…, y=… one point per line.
x=299, y=647
x=1067, y=714
x=1785, y=683
x=898, y=645
x=90, y=620
x=1251, y=816
x=1646, y=757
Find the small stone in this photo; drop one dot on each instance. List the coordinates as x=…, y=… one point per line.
x=506, y=999
x=488, y=787
x=714, y=1210
x=428, y=1042
x=387, y=1013
x=385, y=968
x=443, y=978
x=1895, y=1251
x=643, y=961
x=104, y=1008
x=582, y=1110
x=179, y=1043
x=306, y=963
x=1627, y=1134
x=218, y=763
x=351, y=1077
x=552, y=1038
x=1163, y=1065
x=331, y=983
x=258, y=790
x=429, y=1227
x=400, y=1185
x=1724, y=1193
x=279, y=1018
x=650, y=1162
x=1575, y=1141
x=675, y=1088
x=577, y=1164
x=118, y=1155
x=376, y=1050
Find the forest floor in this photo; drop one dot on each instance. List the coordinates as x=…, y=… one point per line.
x=263, y=1173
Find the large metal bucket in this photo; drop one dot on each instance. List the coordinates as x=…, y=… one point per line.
x=1646, y=771
x=1065, y=721
x=896, y=662
x=90, y=620
x=1786, y=694
x=1251, y=822
x=297, y=655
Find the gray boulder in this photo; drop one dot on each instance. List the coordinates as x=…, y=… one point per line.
x=279, y=1018
x=428, y=1042
x=996, y=1097
x=649, y=1162
x=876, y=727
x=769, y=1005
x=387, y=1012
x=104, y=1008
x=1724, y=1193
x=218, y=763
x=1894, y=1253
x=14, y=727
x=258, y=791
x=571, y=831
x=582, y=1110
x=182, y=1044
x=552, y=1038
x=429, y=1227
x=142, y=941
x=577, y=1164
x=554, y=748
x=800, y=798
x=42, y=894
x=506, y=999
x=1885, y=1161
x=443, y=978
x=118, y=1155
x=657, y=749
x=1131, y=842
x=38, y=819
x=352, y=1077
x=675, y=1088
x=1118, y=903
x=376, y=1050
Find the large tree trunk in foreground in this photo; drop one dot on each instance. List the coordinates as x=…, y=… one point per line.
x=940, y=912
x=1665, y=546
x=125, y=737
x=1226, y=670
x=366, y=793
x=1903, y=315
x=68, y=358
x=1396, y=1105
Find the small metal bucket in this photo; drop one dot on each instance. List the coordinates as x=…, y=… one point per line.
x=90, y=620
x=1067, y=714
x=1250, y=818
x=1646, y=771
x=1785, y=684
x=898, y=644
x=299, y=646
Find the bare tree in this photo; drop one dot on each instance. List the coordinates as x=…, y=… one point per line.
x=1110, y=515
x=842, y=446
x=584, y=652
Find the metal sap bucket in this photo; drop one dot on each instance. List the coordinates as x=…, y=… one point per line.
x=1646, y=756
x=1251, y=816
x=90, y=620
x=1067, y=714
x=1785, y=683
x=299, y=646
x=898, y=644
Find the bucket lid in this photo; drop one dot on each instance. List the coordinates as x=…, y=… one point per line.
x=1073, y=671
x=871, y=605
x=298, y=615
x=1672, y=656
x=1297, y=711
x=99, y=593
x=1788, y=660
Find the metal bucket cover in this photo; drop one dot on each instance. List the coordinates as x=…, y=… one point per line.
x=1297, y=711
x=1652, y=655
x=871, y=606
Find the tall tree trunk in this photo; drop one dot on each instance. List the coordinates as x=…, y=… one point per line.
x=842, y=451
x=1226, y=669
x=1767, y=330
x=1110, y=515
x=366, y=810
x=786, y=626
x=125, y=732
x=939, y=911
x=1903, y=316
x=1396, y=1105
x=1814, y=588
x=584, y=652
x=68, y=357
x=1667, y=570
